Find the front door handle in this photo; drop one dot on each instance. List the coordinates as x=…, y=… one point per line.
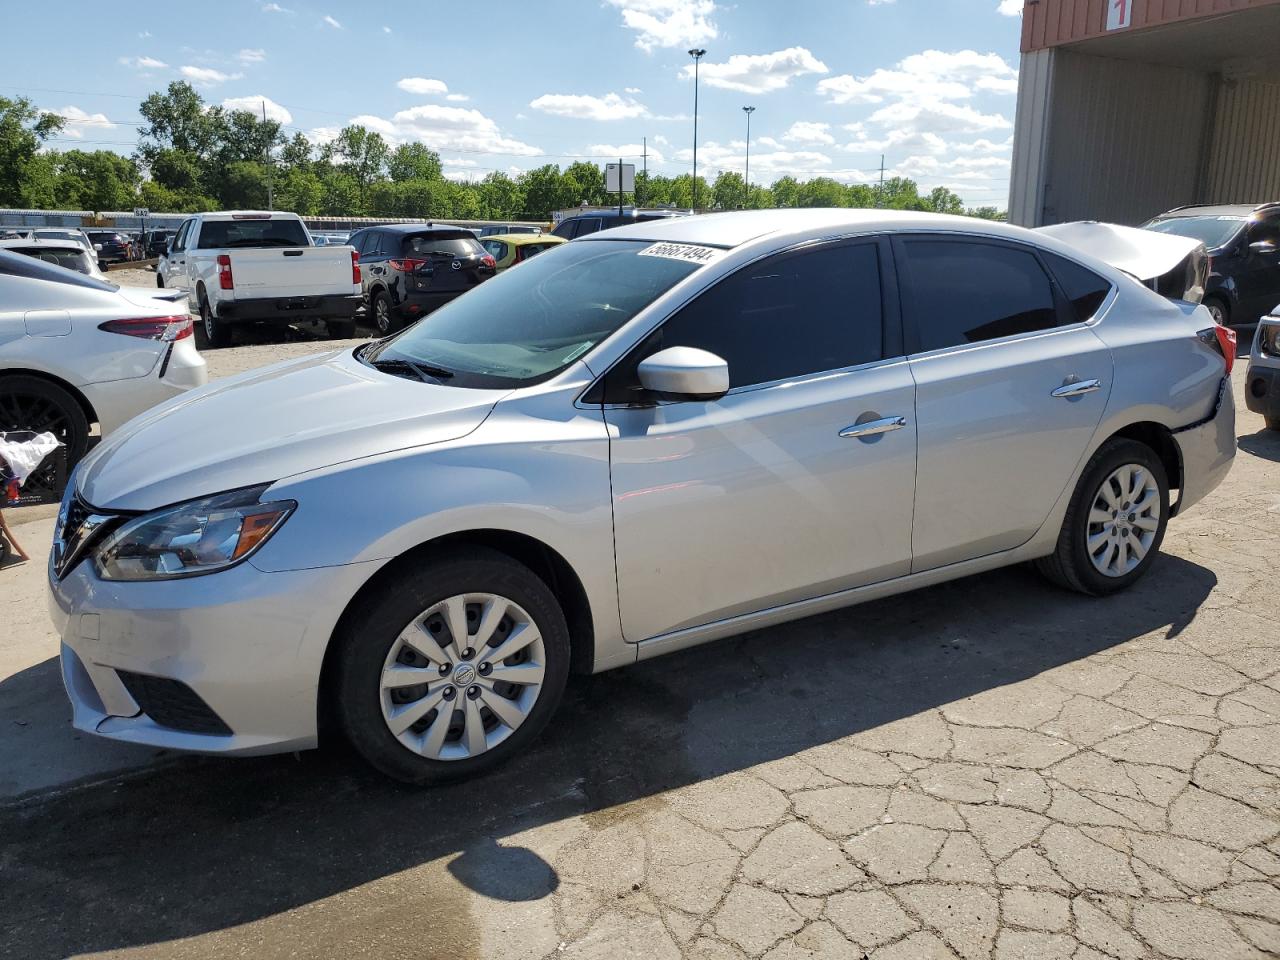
x=873, y=428
x=1077, y=389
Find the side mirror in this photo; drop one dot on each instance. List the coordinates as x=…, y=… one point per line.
x=1263, y=248
x=97, y=246
x=685, y=373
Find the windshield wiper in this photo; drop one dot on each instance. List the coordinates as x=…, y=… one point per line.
x=424, y=372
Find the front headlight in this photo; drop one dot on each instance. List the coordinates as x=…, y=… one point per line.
x=193, y=538
x=1269, y=339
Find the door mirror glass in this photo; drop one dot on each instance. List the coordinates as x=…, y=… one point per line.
x=1263, y=248
x=685, y=373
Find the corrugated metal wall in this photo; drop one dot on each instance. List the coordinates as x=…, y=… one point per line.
x=1030, y=137
x=1047, y=23
x=1244, y=161
x=1126, y=140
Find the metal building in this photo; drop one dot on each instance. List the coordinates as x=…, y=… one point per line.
x=1127, y=108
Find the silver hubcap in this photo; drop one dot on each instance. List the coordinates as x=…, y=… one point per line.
x=1123, y=520
x=208, y=322
x=381, y=314
x=462, y=676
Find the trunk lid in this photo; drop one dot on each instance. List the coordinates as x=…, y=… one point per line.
x=263, y=272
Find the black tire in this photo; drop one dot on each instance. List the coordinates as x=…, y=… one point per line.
x=368, y=632
x=1273, y=423
x=216, y=333
x=340, y=329
x=382, y=315
x=1069, y=566
x=159, y=281
x=32, y=403
x=1220, y=310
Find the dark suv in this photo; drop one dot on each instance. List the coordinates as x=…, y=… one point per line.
x=1244, y=255
x=581, y=224
x=110, y=246
x=409, y=269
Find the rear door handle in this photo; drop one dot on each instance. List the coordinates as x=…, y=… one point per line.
x=1077, y=389
x=873, y=428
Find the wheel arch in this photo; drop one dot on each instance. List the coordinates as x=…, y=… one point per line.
x=89, y=413
x=1160, y=439
x=546, y=562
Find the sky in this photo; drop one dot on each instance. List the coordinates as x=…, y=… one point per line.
x=509, y=85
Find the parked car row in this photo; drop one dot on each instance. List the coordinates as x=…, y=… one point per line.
x=419, y=538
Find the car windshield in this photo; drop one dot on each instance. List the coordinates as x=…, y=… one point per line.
x=526, y=325
x=1211, y=231
x=252, y=233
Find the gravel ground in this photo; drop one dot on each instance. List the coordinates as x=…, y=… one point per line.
x=986, y=769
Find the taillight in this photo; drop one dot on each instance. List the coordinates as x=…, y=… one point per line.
x=355, y=266
x=407, y=264
x=489, y=262
x=165, y=329
x=1222, y=339
x=225, y=280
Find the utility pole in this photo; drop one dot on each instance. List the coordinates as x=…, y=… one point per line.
x=266, y=158
x=747, y=177
x=697, y=55
x=645, y=153
x=880, y=191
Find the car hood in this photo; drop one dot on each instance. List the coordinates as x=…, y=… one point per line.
x=267, y=424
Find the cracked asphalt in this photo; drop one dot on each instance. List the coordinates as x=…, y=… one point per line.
x=987, y=769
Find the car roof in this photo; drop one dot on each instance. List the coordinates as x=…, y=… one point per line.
x=1217, y=210
x=734, y=229
x=44, y=244
x=421, y=228
x=523, y=239
x=255, y=214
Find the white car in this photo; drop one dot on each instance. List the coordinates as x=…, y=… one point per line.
x=75, y=350
x=639, y=441
x=74, y=234
x=257, y=266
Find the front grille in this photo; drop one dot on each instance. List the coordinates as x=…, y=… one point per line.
x=79, y=529
x=171, y=703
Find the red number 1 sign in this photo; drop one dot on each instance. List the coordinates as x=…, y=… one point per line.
x=1119, y=13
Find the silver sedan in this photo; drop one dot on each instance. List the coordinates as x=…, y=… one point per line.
x=645, y=440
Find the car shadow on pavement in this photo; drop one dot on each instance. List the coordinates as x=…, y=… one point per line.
x=205, y=845
x=1264, y=444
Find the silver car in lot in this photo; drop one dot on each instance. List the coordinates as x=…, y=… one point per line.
x=648, y=439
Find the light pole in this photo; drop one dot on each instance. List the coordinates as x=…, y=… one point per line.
x=747, y=177
x=697, y=55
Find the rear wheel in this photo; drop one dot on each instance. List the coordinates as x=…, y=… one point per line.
x=340, y=329
x=216, y=332
x=384, y=320
x=1115, y=523
x=452, y=667
x=30, y=403
x=159, y=281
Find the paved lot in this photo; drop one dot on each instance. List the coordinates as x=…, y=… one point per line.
x=990, y=768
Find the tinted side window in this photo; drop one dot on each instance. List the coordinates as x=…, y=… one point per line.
x=356, y=240
x=965, y=292
x=1081, y=286
x=586, y=226
x=789, y=316
x=564, y=229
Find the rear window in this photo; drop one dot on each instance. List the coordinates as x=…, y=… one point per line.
x=72, y=258
x=252, y=233
x=442, y=245
x=1213, y=232
x=17, y=265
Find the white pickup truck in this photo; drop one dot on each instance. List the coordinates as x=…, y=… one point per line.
x=255, y=266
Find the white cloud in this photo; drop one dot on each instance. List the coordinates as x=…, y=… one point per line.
x=758, y=73
x=319, y=136
x=145, y=35
x=423, y=85
x=275, y=8
x=938, y=117
x=931, y=75
x=662, y=141
x=78, y=122
x=248, y=55
x=586, y=107
x=386, y=29
x=900, y=141
x=255, y=104
x=443, y=129
x=631, y=152
x=879, y=3
x=766, y=165
x=207, y=76
x=984, y=146
x=805, y=131
x=632, y=90
x=329, y=21
x=668, y=23
x=1010, y=8
x=143, y=63
x=457, y=98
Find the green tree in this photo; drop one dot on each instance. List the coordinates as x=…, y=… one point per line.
x=23, y=129
x=822, y=192
x=899, y=193
x=362, y=156
x=729, y=192
x=942, y=200
x=299, y=190
x=413, y=161
x=585, y=182
x=500, y=197
x=988, y=213
x=98, y=180
x=786, y=192
x=545, y=190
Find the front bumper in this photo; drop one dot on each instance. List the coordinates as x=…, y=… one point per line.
x=289, y=309
x=248, y=644
x=1208, y=449
x=1262, y=387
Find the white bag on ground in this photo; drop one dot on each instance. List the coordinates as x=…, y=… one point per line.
x=24, y=458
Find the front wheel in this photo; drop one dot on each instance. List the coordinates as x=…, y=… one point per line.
x=340, y=329
x=1273, y=423
x=1115, y=522
x=452, y=667
x=1218, y=310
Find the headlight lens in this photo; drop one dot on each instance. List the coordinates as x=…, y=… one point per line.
x=1269, y=339
x=193, y=538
